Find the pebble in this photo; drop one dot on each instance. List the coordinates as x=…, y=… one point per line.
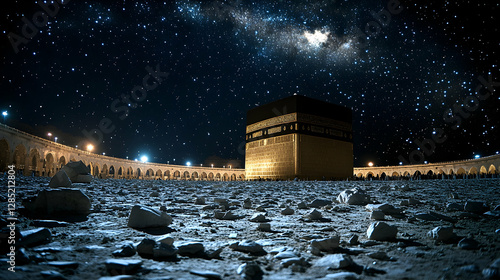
x=354, y=240
x=386, y=208
x=377, y=215
x=381, y=231
x=250, y=271
x=259, y=218
x=353, y=197
x=285, y=255
x=120, y=266
x=476, y=207
x=248, y=246
x=287, y=211
x=442, y=233
x=266, y=227
x=207, y=274
x=127, y=250
x=335, y=261
x=318, y=203
x=190, y=249
x=468, y=244
x=37, y=236
x=146, y=217
x=327, y=244
x=314, y=215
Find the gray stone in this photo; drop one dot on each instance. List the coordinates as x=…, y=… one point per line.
x=379, y=255
x=120, y=266
x=258, y=218
x=199, y=201
x=33, y=237
x=353, y=197
x=292, y=261
x=476, y=207
x=166, y=240
x=75, y=168
x=302, y=205
x=317, y=203
x=314, y=215
x=63, y=264
x=164, y=251
x=248, y=246
x=146, y=247
x=285, y=255
x=146, y=217
x=60, y=179
x=266, y=227
x=384, y=207
x=335, y=261
x=207, y=274
x=468, y=244
x=327, y=244
x=377, y=215
x=190, y=249
x=381, y=231
x=341, y=276
x=126, y=251
x=354, y=240
x=442, y=234
x=287, y=211
x=60, y=202
x=250, y=271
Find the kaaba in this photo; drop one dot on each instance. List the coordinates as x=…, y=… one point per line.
x=299, y=138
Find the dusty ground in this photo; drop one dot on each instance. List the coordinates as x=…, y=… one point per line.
x=413, y=255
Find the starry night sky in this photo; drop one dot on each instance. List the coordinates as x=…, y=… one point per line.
x=226, y=57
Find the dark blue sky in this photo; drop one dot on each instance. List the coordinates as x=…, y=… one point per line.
x=225, y=57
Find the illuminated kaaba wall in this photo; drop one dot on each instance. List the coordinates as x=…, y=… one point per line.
x=299, y=137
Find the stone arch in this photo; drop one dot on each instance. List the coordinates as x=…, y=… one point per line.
x=49, y=165
x=112, y=171
x=370, y=175
x=166, y=174
x=217, y=177
x=440, y=172
x=204, y=176
x=96, y=170
x=406, y=174
x=19, y=158
x=105, y=171
x=139, y=173
x=360, y=175
x=492, y=169
x=120, y=172
x=211, y=176
x=233, y=177
x=430, y=173
x=33, y=160
x=473, y=170
x=159, y=174
x=461, y=171
x=185, y=175
x=130, y=172
x=177, y=174
x=195, y=176
x=383, y=176
x=150, y=173
x=4, y=155
x=242, y=177
x=62, y=162
x=451, y=172
x=395, y=174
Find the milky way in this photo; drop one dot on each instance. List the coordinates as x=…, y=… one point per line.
x=400, y=75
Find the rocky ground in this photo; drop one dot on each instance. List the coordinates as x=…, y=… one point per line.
x=428, y=229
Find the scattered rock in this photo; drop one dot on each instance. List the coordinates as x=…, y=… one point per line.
x=285, y=255
x=126, y=251
x=207, y=274
x=259, y=218
x=60, y=179
x=250, y=271
x=353, y=197
x=63, y=264
x=318, y=203
x=302, y=205
x=145, y=217
x=77, y=172
x=250, y=247
x=433, y=216
x=287, y=211
x=33, y=237
x=59, y=203
x=328, y=245
x=226, y=215
x=341, y=276
x=199, y=201
x=314, y=215
x=120, y=266
x=247, y=203
x=442, y=233
x=377, y=215
x=386, y=208
x=190, y=249
x=381, y=231
x=476, y=207
x=354, y=240
x=468, y=244
x=266, y=227
x=335, y=261
x=379, y=255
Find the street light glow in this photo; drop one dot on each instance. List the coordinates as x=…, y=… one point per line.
x=188, y=163
x=90, y=147
x=4, y=113
x=370, y=164
x=144, y=158
x=477, y=156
